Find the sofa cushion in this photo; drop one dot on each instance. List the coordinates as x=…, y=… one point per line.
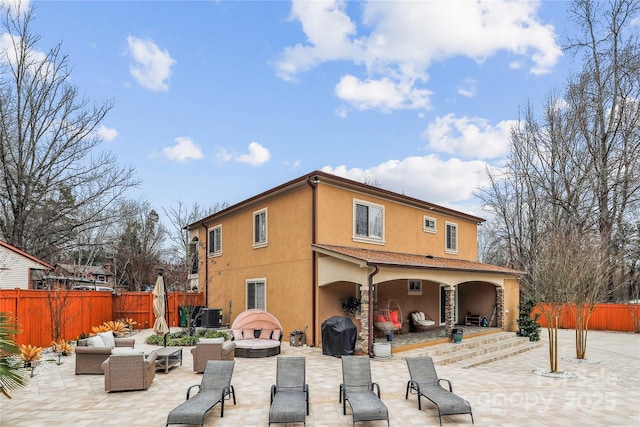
x=108, y=338
x=219, y=340
x=126, y=351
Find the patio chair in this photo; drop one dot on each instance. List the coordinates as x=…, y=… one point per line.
x=290, y=393
x=425, y=382
x=203, y=352
x=215, y=388
x=124, y=372
x=357, y=388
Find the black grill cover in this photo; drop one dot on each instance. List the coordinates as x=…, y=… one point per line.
x=338, y=336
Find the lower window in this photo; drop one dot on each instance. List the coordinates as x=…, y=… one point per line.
x=257, y=294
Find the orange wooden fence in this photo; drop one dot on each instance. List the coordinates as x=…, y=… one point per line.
x=80, y=310
x=605, y=317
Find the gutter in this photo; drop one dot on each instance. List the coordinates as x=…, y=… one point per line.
x=370, y=320
x=313, y=181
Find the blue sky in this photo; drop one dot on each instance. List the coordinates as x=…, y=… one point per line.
x=216, y=101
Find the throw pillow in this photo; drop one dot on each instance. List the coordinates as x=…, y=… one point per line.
x=265, y=334
x=237, y=334
x=248, y=334
x=108, y=338
x=276, y=334
x=95, y=342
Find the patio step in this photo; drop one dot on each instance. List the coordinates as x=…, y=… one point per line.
x=474, y=351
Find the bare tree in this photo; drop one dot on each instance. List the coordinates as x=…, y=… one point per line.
x=139, y=245
x=604, y=99
x=182, y=252
x=183, y=263
x=51, y=166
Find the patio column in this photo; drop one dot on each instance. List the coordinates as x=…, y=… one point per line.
x=499, y=307
x=449, y=309
x=363, y=337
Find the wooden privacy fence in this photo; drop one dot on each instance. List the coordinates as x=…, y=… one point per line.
x=38, y=312
x=605, y=317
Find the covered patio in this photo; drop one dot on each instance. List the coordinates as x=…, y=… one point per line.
x=446, y=289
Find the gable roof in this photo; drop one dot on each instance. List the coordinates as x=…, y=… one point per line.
x=86, y=269
x=26, y=255
x=398, y=259
x=317, y=176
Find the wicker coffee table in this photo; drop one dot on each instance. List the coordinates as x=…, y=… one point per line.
x=168, y=357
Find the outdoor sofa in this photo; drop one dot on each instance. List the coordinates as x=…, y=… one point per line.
x=91, y=352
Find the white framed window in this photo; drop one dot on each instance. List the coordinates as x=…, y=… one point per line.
x=260, y=228
x=368, y=222
x=215, y=240
x=451, y=238
x=414, y=287
x=428, y=224
x=257, y=294
x=101, y=278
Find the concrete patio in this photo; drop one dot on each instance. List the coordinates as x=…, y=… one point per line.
x=505, y=392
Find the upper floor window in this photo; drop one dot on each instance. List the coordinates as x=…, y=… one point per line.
x=429, y=224
x=368, y=221
x=260, y=228
x=451, y=244
x=215, y=240
x=257, y=294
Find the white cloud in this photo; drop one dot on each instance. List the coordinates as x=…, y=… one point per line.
x=256, y=156
x=327, y=28
x=183, y=150
x=107, y=134
x=446, y=182
x=223, y=156
x=152, y=66
x=469, y=137
x=398, y=41
x=468, y=88
x=383, y=94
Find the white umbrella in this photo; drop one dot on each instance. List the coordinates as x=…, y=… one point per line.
x=160, y=326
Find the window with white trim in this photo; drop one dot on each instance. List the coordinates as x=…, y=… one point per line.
x=368, y=221
x=260, y=228
x=257, y=294
x=428, y=224
x=215, y=240
x=414, y=287
x=451, y=238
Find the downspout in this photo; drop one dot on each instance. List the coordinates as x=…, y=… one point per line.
x=370, y=320
x=313, y=183
x=206, y=267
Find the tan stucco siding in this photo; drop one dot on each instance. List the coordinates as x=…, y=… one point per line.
x=285, y=261
x=511, y=303
x=403, y=230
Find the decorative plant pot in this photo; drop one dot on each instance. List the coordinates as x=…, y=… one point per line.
x=456, y=334
x=382, y=350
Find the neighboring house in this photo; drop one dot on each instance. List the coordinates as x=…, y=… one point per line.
x=300, y=249
x=19, y=269
x=75, y=275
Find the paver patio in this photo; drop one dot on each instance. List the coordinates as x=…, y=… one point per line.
x=502, y=393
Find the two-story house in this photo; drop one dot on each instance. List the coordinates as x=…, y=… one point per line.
x=298, y=250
